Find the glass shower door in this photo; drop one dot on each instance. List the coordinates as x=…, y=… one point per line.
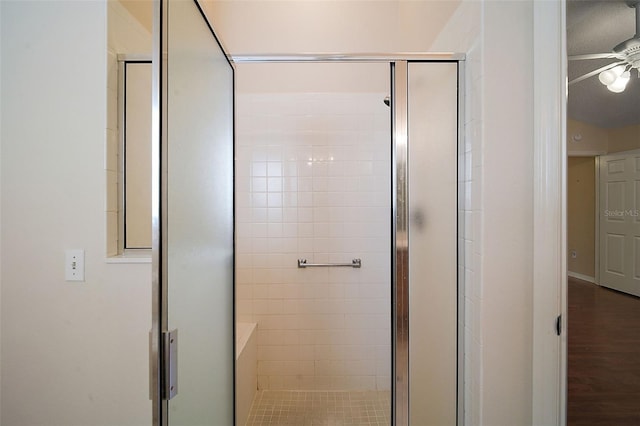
x=432, y=133
x=427, y=352
x=193, y=223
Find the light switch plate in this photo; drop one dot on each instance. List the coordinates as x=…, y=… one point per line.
x=74, y=265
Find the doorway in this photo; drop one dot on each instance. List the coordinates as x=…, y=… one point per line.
x=602, y=352
x=602, y=121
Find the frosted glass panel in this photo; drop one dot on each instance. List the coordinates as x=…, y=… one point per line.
x=432, y=152
x=200, y=219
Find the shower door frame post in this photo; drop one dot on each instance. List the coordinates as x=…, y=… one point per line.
x=400, y=290
x=400, y=245
x=158, y=212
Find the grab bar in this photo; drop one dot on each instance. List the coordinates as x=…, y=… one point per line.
x=355, y=263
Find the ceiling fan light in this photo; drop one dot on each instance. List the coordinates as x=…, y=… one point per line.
x=620, y=83
x=607, y=77
x=619, y=70
x=616, y=88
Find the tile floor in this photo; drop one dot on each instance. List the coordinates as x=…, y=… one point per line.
x=322, y=408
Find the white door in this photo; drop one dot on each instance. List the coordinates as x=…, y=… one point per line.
x=619, y=219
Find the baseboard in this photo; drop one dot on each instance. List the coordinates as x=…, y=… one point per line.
x=581, y=277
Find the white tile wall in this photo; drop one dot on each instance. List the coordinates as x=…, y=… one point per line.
x=313, y=181
x=473, y=212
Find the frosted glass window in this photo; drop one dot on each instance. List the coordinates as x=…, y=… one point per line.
x=432, y=165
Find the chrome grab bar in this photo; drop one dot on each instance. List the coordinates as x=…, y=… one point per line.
x=355, y=263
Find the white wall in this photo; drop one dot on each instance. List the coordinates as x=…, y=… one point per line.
x=507, y=204
x=497, y=36
x=72, y=353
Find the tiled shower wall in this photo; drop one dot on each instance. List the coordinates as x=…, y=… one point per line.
x=313, y=182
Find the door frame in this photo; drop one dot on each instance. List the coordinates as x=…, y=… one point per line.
x=549, y=357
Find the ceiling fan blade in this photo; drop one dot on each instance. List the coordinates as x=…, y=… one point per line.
x=598, y=71
x=594, y=56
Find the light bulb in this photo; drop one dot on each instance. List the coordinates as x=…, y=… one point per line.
x=609, y=76
x=620, y=83
x=616, y=89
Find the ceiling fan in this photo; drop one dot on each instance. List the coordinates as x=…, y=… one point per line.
x=616, y=75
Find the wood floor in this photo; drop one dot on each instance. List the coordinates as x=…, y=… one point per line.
x=604, y=356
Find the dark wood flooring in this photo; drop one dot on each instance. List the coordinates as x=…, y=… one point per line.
x=604, y=356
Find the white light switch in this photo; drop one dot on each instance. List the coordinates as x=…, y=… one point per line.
x=74, y=265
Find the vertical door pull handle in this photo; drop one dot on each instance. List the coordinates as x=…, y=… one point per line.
x=170, y=352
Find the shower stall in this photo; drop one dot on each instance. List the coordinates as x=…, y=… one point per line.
x=313, y=184
x=325, y=219
x=310, y=201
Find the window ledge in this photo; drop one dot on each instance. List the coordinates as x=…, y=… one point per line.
x=131, y=256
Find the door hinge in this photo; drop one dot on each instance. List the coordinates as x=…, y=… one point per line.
x=559, y=325
x=170, y=364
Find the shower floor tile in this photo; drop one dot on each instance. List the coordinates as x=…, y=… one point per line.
x=322, y=408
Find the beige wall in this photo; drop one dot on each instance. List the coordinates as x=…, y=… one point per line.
x=586, y=139
x=581, y=199
x=624, y=139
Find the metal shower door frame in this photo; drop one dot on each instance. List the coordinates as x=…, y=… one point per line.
x=399, y=206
